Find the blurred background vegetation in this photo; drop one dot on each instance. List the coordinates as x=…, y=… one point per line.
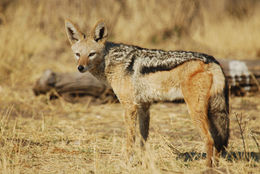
x=32, y=35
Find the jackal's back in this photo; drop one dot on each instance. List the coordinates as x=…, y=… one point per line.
x=145, y=61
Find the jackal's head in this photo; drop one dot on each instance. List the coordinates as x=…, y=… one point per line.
x=89, y=49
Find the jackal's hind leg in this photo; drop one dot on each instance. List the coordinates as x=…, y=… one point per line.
x=196, y=92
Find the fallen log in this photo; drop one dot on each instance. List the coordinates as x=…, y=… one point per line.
x=73, y=87
x=243, y=75
x=243, y=78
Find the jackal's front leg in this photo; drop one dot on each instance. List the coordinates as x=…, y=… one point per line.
x=130, y=123
x=144, y=119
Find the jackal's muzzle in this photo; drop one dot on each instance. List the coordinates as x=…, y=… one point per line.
x=83, y=69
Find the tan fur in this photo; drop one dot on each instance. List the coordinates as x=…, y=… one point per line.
x=218, y=78
x=141, y=76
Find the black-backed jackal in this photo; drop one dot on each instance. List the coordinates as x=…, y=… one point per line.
x=141, y=76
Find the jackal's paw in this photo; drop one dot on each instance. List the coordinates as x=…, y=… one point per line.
x=132, y=160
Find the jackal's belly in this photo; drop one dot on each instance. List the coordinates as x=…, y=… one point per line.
x=157, y=92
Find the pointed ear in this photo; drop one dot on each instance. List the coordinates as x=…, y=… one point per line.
x=99, y=32
x=73, y=32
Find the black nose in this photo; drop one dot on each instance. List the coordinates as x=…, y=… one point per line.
x=80, y=68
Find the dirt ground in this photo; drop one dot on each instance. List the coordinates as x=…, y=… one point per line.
x=75, y=138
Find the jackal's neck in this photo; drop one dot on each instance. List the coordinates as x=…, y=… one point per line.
x=98, y=72
x=109, y=46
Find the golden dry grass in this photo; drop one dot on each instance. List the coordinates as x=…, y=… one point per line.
x=42, y=136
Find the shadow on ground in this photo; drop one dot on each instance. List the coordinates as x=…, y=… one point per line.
x=230, y=156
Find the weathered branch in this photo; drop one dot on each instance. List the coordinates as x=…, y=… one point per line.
x=73, y=87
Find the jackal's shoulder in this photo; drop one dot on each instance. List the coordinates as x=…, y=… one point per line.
x=151, y=60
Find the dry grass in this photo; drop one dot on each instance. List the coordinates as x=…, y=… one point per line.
x=39, y=136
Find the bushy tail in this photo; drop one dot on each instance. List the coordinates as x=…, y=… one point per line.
x=218, y=111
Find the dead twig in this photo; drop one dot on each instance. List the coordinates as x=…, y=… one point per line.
x=256, y=142
x=239, y=122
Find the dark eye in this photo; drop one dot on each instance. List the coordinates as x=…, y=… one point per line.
x=91, y=54
x=77, y=54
